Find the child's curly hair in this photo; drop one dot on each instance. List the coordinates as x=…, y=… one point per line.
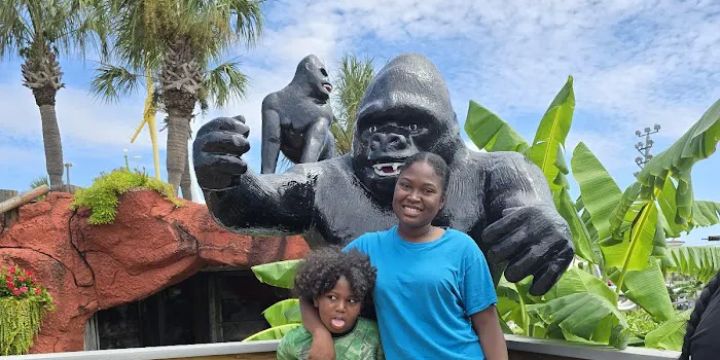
x=322, y=268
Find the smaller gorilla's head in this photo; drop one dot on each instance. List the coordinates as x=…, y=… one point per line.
x=312, y=76
x=406, y=109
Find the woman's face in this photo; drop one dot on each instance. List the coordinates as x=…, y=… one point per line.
x=418, y=195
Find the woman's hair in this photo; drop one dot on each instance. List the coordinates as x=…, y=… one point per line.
x=700, y=305
x=435, y=161
x=322, y=268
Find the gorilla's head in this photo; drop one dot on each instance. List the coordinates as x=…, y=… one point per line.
x=406, y=109
x=312, y=76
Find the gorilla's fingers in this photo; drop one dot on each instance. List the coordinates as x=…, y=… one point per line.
x=497, y=230
x=525, y=264
x=217, y=171
x=224, y=124
x=547, y=277
x=508, y=245
x=225, y=143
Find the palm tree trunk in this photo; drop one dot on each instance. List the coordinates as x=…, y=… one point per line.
x=186, y=182
x=178, y=130
x=41, y=74
x=53, y=145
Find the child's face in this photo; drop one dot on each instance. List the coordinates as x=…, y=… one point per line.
x=418, y=195
x=338, y=308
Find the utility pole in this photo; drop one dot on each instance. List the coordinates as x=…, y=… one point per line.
x=644, y=148
x=68, y=165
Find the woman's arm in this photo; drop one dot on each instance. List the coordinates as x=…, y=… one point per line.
x=492, y=340
x=322, y=347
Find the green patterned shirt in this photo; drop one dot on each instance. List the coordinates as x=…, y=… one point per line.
x=363, y=343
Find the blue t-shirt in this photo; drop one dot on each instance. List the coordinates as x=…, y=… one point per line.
x=426, y=292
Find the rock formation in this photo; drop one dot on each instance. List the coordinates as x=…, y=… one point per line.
x=150, y=246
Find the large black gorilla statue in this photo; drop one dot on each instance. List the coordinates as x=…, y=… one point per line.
x=297, y=118
x=500, y=199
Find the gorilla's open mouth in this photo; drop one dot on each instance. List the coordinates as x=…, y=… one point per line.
x=327, y=86
x=387, y=169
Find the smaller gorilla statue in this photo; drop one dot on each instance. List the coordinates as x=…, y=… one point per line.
x=297, y=118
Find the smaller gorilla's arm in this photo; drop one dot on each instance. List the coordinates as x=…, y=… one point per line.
x=523, y=226
x=270, y=147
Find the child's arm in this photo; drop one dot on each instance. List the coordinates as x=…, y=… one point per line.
x=322, y=347
x=492, y=340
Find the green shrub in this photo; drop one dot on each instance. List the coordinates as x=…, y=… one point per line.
x=102, y=196
x=23, y=303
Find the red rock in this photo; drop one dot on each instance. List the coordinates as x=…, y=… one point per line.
x=151, y=245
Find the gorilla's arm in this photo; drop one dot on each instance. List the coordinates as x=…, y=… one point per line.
x=240, y=199
x=267, y=204
x=270, y=147
x=523, y=226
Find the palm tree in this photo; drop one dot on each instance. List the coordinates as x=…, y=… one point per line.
x=37, y=31
x=178, y=40
x=353, y=78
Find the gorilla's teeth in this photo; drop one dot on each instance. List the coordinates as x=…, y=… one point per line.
x=382, y=169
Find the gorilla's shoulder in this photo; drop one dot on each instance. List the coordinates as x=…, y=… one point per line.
x=271, y=99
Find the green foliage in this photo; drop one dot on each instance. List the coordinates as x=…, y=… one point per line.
x=669, y=336
x=353, y=79
x=101, y=198
x=23, y=303
x=279, y=274
x=284, y=315
x=39, y=181
x=618, y=235
x=273, y=333
x=701, y=262
x=640, y=323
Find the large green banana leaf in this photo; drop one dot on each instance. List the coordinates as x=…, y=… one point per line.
x=584, y=317
x=600, y=194
x=696, y=144
x=491, y=133
x=576, y=281
x=273, y=333
x=283, y=312
x=701, y=262
x=633, y=253
x=546, y=150
x=669, y=336
x=279, y=274
x=647, y=289
x=706, y=213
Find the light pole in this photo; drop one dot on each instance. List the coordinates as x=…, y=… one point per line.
x=644, y=148
x=68, y=165
x=127, y=164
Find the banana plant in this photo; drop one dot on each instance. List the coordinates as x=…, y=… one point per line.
x=284, y=315
x=618, y=235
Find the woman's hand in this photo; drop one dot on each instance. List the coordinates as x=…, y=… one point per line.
x=322, y=347
x=492, y=340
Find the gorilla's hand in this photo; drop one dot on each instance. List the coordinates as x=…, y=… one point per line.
x=535, y=241
x=217, y=150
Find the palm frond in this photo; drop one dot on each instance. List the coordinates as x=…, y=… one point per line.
x=112, y=81
x=225, y=82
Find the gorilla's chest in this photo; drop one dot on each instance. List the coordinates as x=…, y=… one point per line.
x=297, y=115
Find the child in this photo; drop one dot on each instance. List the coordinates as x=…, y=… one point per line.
x=435, y=298
x=337, y=284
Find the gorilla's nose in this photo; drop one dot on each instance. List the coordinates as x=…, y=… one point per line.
x=388, y=142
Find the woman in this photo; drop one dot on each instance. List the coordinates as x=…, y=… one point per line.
x=434, y=295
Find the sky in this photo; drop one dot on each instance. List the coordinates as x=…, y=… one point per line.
x=635, y=63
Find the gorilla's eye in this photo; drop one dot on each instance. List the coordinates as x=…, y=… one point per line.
x=372, y=128
x=322, y=71
x=413, y=127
